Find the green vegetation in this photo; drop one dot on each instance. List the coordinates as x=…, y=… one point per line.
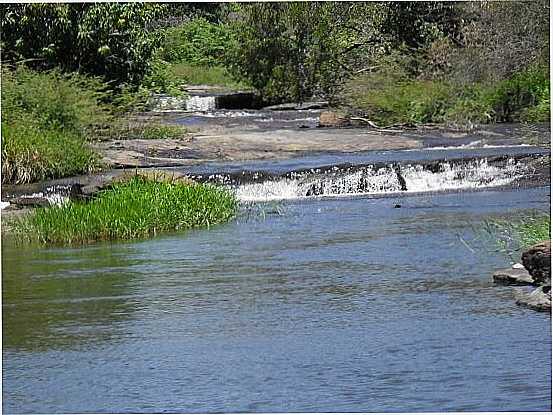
x=183, y=73
x=198, y=42
x=111, y=40
x=137, y=208
x=47, y=118
x=195, y=53
x=512, y=236
x=386, y=97
x=31, y=154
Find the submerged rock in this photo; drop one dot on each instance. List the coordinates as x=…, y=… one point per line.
x=539, y=299
x=537, y=260
x=510, y=276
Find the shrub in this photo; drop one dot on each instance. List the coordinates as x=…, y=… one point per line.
x=204, y=75
x=197, y=42
x=31, y=154
x=523, y=97
x=52, y=100
x=138, y=208
x=111, y=40
x=393, y=98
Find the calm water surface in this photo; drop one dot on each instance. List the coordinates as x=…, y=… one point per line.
x=314, y=305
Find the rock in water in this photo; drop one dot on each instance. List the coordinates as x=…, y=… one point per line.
x=539, y=299
x=537, y=260
x=511, y=276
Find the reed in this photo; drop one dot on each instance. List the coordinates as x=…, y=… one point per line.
x=137, y=208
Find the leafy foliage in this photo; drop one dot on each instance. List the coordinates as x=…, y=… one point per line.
x=197, y=42
x=111, y=40
x=390, y=95
x=52, y=100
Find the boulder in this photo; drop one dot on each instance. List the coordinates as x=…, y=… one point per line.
x=539, y=299
x=510, y=276
x=537, y=260
x=333, y=119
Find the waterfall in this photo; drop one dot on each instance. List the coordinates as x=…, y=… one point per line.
x=366, y=180
x=200, y=104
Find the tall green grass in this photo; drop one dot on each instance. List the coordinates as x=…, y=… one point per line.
x=512, y=236
x=31, y=154
x=137, y=208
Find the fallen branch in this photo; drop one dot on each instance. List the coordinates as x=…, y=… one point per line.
x=390, y=128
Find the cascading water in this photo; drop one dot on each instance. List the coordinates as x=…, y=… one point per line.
x=200, y=104
x=371, y=179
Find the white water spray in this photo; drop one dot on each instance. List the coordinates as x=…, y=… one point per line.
x=200, y=104
x=368, y=180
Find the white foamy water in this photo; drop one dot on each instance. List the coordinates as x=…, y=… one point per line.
x=473, y=144
x=200, y=104
x=366, y=181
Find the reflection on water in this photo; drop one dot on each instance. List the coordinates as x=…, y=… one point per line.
x=63, y=297
x=323, y=305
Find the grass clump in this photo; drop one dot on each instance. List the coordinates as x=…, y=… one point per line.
x=31, y=154
x=139, y=207
x=512, y=236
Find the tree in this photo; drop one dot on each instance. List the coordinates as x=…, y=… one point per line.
x=111, y=40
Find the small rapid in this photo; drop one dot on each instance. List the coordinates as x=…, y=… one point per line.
x=375, y=179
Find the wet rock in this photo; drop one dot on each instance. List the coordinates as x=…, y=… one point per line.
x=537, y=260
x=510, y=276
x=237, y=100
x=281, y=107
x=333, y=119
x=539, y=299
x=293, y=106
x=316, y=105
x=31, y=201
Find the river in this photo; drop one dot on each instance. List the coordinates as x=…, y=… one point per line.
x=339, y=304
x=356, y=282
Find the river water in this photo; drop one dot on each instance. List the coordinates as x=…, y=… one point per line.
x=339, y=304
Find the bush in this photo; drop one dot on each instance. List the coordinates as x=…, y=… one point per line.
x=31, y=154
x=197, y=42
x=391, y=96
x=52, y=100
x=138, y=208
x=46, y=119
x=111, y=40
x=204, y=75
x=523, y=97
